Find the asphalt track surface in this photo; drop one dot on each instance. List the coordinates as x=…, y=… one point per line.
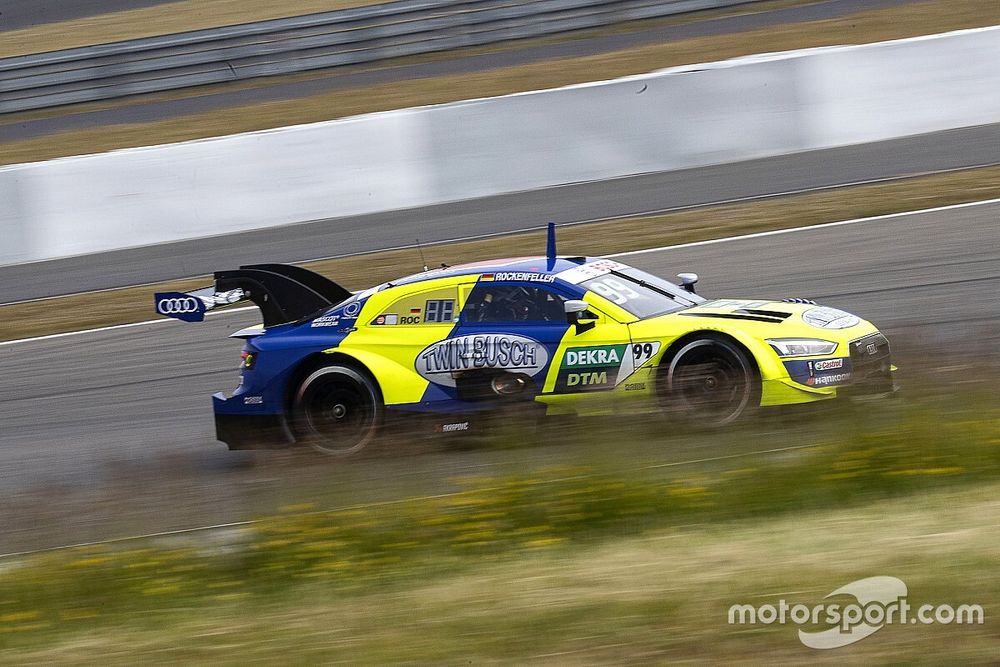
x=953, y=149
x=355, y=77
x=18, y=14
x=111, y=433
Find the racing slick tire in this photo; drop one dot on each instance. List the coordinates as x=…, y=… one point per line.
x=709, y=382
x=338, y=410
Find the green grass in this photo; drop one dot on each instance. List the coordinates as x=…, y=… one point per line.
x=657, y=597
x=289, y=564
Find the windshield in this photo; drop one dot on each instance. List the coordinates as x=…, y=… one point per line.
x=640, y=293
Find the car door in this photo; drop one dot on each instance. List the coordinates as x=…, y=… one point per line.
x=513, y=328
x=595, y=355
x=559, y=357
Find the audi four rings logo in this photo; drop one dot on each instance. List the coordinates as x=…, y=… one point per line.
x=177, y=306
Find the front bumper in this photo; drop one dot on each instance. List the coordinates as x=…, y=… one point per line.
x=872, y=369
x=866, y=370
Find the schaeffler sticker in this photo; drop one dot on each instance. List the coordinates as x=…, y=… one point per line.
x=441, y=361
x=602, y=366
x=594, y=269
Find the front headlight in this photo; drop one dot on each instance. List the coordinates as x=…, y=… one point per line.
x=801, y=347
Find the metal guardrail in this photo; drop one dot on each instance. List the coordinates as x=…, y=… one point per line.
x=302, y=43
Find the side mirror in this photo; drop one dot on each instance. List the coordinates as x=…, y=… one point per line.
x=688, y=281
x=577, y=311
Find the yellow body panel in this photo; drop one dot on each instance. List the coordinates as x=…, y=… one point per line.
x=776, y=386
x=390, y=352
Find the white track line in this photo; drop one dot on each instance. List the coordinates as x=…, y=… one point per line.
x=114, y=327
x=725, y=239
x=776, y=232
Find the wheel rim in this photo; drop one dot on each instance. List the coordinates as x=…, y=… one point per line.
x=339, y=414
x=710, y=382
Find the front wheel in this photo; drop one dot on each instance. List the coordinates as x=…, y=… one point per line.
x=338, y=410
x=710, y=382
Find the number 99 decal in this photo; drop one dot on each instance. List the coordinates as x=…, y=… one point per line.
x=643, y=352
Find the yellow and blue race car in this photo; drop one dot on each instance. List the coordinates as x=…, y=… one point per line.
x=536, y=335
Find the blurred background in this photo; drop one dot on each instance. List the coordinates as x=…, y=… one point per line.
x=146, y=143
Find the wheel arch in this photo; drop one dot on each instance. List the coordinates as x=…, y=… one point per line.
x=311, y=423
x=662, y=368
x=312, y=362
x=679, y=343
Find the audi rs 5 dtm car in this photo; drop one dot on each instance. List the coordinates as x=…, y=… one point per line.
x=556, y=334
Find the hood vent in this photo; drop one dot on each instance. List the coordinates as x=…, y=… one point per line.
x=764, y=313
x=746, y=314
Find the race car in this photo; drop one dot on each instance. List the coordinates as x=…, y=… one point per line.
x=532, y=335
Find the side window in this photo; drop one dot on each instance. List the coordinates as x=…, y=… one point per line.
x=512, y=303
x=437, y=311
x=430, y=307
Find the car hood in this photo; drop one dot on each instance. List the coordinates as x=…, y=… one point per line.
x=797, y=313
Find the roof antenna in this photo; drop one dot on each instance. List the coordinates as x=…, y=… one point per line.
x=421, y=251
x=550, y=251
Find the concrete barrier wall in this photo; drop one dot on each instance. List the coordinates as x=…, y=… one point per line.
x=220, y=186
x=642, y=124
x=673, y=119
x=901, y=88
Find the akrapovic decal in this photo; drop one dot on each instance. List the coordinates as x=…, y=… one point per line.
x=602, y=366
x=451, y=428
x=442, y=360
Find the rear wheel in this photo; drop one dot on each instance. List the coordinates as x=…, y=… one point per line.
x=338, y=410
x=710, y=382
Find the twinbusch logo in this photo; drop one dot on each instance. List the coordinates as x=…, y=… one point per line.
x=440, y=361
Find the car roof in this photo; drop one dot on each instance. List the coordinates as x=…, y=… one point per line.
x=510, y=265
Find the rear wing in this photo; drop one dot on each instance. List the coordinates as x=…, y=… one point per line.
x=284, y=293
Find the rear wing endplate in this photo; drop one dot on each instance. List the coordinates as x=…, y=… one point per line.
x=284, y=293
